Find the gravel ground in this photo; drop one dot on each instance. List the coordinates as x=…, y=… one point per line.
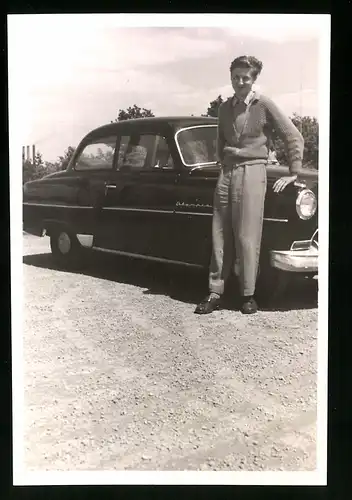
x=121, y=374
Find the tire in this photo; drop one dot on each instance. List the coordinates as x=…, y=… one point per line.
x=65, y=247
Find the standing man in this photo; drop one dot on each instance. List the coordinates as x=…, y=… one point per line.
x=245, y=123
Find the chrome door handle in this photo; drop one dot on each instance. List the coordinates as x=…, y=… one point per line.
x=107, y=187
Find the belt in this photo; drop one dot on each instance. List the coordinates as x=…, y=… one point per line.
x=244, y=163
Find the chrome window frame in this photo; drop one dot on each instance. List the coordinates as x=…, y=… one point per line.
x=145, y=168
x=81, y=148
x=179, y=149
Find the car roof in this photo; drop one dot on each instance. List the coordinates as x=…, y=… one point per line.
x=175, y=122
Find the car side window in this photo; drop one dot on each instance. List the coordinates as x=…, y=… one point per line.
x=98, y=155
x=144, y=152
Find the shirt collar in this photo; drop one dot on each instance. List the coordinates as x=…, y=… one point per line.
x=251, y=95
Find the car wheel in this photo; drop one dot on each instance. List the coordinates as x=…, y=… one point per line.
x=65, y=247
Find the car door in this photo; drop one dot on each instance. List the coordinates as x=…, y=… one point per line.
x=193, y=216
x=139, y=201
x=91, y=168
x=195, y=192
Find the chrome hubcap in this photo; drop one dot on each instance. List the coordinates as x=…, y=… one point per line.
x=64, y=243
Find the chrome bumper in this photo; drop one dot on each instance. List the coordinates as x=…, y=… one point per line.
x=301, y=258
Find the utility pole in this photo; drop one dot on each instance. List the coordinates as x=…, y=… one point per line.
x=301, y=94
x=26, y=153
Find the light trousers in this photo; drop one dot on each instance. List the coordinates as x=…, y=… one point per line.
x=237, y=226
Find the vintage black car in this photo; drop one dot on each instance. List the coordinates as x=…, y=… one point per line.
x=144, y=188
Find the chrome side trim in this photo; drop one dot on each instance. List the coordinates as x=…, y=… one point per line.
x=34, y=204
x=86, y=240
x=147, y=257
x=194, y=213
x=147, y=210
x=271, y=219
x=152, y=210
x=131, y=209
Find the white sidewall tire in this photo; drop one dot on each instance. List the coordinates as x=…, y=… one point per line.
x=65, y=247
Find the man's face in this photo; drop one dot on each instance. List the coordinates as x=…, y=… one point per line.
x=242, y=81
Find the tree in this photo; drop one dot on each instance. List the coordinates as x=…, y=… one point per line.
x=38, y=168
x=33, y=169
x=309, y=128
x=213, y=109
x=61, y=163
x=133, y=112
x=65, y=159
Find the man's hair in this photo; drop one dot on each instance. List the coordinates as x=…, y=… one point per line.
x=247, y=62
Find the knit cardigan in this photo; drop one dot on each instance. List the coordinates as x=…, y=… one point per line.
x=263, y=118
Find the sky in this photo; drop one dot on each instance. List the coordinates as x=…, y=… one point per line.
x=71, y=73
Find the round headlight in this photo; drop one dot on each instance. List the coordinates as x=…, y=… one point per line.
x=306, y=204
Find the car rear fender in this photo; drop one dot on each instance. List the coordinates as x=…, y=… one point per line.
x=54, y=225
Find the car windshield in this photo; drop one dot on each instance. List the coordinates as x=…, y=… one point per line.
x=197, y=145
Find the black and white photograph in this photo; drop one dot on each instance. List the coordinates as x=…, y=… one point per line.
x=169, y=190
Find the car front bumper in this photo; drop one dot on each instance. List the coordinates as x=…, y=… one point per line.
x=301, y=258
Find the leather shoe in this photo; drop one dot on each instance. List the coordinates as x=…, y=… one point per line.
x=249, y=306
x=208, y=305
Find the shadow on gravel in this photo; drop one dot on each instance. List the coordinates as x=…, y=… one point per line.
x=182, y=284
